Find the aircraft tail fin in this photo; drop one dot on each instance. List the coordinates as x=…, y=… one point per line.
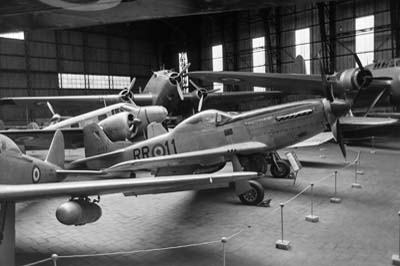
x=299, y=65
x=95, y=140
x=155, y=129
x=56, y=153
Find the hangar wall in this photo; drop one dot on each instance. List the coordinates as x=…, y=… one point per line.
x=31, y=67
x=236, y=30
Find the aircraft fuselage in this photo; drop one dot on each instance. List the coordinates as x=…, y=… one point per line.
x=277, y=127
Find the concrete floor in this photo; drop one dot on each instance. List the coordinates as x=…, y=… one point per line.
x=362, y=230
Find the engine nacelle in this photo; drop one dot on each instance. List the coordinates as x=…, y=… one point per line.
x=351, y=80
x=120, y=126
x=78, y=212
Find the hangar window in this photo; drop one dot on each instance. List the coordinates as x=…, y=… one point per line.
x=120, y=82
x=20, y=35
x=365, y=39
x=259, y=58
x=81, y=81
x=217, y=64
x=303, y=46
x=183, y=61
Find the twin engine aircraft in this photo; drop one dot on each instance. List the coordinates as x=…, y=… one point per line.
x=119, y=121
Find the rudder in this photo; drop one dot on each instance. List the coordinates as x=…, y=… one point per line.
x=56, y=153
x=95, y=140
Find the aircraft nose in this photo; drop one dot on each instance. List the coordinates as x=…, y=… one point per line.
x=339, y=107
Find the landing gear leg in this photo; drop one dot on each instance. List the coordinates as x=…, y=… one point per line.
x=279, y=167
x=7, y=234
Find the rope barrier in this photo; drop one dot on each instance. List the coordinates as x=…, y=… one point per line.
x=135, y=251
x=194, y=244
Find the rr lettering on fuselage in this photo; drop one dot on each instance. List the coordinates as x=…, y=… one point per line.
x=158, y=149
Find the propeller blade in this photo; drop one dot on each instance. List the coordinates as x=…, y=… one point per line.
x=194, y=85
x=358, y=61
x=340, y=138
x=327, y=91
x=336, y=129
x=200, y=103
x=382, y=78
x=179, y=89
x=131, y=85
x=50, y=108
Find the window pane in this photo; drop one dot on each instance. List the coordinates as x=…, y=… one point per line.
x=303, y=46
x=365, y=39
x=217, y=64
x=120, y=82
x=14, y=35
x=259, y=58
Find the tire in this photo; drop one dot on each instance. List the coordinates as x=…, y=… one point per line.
x=254, y=196
x=283, y=171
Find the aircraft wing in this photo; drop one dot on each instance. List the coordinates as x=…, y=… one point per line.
x=286, y=83
x=352, y=123
x=219, y=154
x=229, y=101
x=71, y=105
x=314, y=141
x=40, y=139
x=138, y=186
x=31, y=15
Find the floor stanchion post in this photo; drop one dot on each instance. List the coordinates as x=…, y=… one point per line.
x=312, y=218
x=281, y=243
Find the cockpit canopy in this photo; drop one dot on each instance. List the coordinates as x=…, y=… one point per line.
x=7, y=145
x=205, y=119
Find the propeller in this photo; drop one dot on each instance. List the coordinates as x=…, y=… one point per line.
x=176, y=78
x=202, y=93
x=335, y=110
x=127, y=94
x=55, y=116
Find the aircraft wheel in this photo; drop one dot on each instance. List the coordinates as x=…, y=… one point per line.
x=254, y=196
x=282, y=171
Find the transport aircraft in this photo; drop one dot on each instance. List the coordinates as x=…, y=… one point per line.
x=164, y=88
x=374, y=82
x=24, y=178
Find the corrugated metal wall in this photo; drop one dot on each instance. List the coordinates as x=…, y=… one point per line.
x=31, y=67
x=250, y=25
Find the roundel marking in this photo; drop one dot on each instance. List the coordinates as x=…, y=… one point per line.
x=158, y=150
x=86, y=5
x=35, y=174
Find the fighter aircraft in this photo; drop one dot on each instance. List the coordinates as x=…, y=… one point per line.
x=205, y=141
x=25, y=178
x=17, y=15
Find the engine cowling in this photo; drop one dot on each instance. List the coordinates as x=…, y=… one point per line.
x=78, y=212
x=351, y=80
x=120, y=126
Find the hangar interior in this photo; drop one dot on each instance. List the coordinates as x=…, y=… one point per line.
x=103, y=59
x=185, y=228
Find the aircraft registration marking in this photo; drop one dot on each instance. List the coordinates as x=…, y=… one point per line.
x=159, y=149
